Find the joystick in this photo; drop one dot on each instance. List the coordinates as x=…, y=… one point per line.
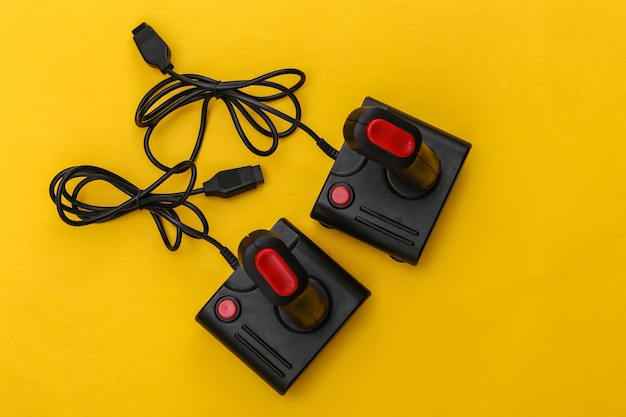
x=283, y=305
x=390, y=180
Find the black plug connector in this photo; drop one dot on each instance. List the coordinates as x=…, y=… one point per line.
x=153, y=48
x=233, y=181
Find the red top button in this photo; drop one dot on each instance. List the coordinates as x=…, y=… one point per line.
x=276, y=272
x=390, y=137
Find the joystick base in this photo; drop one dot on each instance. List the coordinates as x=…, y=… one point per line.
x=378, y=213
x=256, y=333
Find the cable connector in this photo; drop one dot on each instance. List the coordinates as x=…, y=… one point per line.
x=233, y=181
x=153, y=48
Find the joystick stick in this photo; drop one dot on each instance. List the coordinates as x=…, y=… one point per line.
x=283, y=305
x=282, y=279
x=390, y=180
x=396, y=144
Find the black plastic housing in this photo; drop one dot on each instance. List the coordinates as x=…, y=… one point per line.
x=382, y=210
x=261, y=336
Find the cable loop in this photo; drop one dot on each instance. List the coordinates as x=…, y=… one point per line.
x=249, y=100
x=66, y=187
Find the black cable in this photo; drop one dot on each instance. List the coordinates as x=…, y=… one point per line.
x=179, y=90
x=67, y=185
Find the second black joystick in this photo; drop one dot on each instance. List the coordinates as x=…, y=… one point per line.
x=390, y=180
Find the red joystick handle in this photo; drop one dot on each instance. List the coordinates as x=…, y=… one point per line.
x=390, y=138
x=282, y=279
x=277, y=273
x=273, y=268
x=393, y=142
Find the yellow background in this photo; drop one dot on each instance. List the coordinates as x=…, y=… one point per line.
x=517, y=307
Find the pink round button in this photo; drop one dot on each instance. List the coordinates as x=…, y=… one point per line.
x=227, y=309
x=341, y=195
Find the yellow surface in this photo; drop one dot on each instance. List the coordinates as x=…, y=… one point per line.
x=517, y=307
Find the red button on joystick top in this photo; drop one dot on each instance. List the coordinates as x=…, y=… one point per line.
x=390, y=137
x=273, y=268
x=276, y=272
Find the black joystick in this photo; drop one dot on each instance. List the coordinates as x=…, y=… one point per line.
x=390, y=180
x=283, y=305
